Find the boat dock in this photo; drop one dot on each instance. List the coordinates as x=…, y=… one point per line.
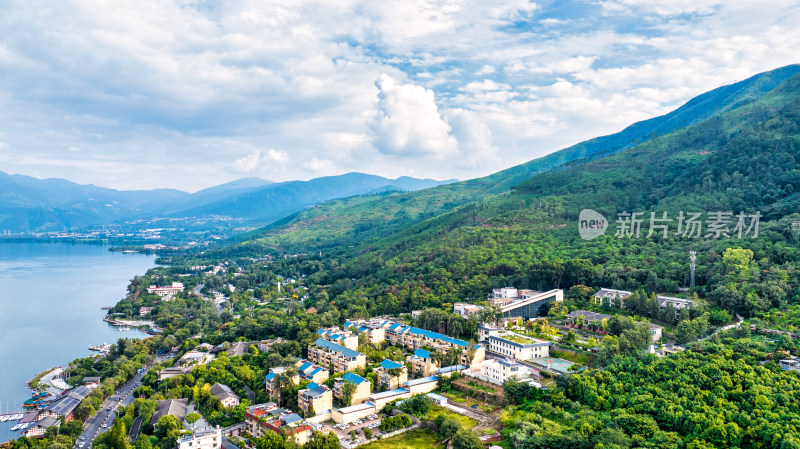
x=11, y=416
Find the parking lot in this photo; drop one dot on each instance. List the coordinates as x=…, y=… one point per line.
x=343, y=431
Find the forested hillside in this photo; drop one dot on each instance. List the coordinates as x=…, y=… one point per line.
x=351, y=221
x=742, y=161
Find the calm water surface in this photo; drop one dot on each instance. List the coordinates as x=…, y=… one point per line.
x=50, y=300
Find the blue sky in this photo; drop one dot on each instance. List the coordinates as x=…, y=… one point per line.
x=188, y=94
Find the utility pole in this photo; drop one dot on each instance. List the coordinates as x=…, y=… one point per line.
x=692, y=264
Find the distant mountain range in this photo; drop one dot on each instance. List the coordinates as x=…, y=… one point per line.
x=31, y=204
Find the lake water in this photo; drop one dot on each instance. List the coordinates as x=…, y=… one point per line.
x=51, y=296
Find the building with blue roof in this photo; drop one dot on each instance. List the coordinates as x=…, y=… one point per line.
x=361, y=392
x=375, y=329
x=311, y=372
x=414, y=338
x=339, y=358
x=345, y=338
x=391, y=374
x=272, y=381
x=315, y=398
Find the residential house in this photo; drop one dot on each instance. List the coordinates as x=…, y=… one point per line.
x=485, y=331
x=390, y=374
x=225, y=395
x=338, y=357
x=361, y=393
x=676, y=303
x=175, y=407
x=262, y=418
x=612, y=297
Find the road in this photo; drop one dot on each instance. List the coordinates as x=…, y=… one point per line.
x=104, y=418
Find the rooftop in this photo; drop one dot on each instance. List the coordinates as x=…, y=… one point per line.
x=390, y=364
x=336, y=348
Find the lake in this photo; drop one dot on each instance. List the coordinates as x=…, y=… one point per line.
x=51, y=296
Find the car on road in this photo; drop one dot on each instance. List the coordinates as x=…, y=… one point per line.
x=82, y=444
x=104, y=425
x=83, y=437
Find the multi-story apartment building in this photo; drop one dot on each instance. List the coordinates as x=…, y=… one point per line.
x=519, y=347
x=361, y=393
x=413, y=338
x=272, y=381
x=345, y=338
x=375, y=329
x=391, y=374
x=311, y=371
x=421, y=363
x=339, y=358
x=316, y=398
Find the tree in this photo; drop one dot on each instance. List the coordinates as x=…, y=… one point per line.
x=165, y=425
x=270, y=440
x=367, y=433
x=192, y=418
x=348, y=388
x=472, y=348
x=447, y=426
x=143, y=442
x=464, y=439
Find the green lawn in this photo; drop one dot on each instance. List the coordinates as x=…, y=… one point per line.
x=413, y=439
x=466, y=422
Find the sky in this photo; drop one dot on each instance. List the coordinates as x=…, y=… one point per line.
x=188, y=94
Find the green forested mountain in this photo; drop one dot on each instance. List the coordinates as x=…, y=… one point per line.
x=350, y=221
x=743, y=160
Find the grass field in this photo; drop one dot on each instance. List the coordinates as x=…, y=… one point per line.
x=413, y=439
x=466, y=422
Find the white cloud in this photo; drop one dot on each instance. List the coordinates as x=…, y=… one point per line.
x=470, y=87
x=257, y=160
x=317, y=165
x=4, y=146
x=408, y=122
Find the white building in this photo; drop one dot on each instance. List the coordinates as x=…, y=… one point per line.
x=614, y=297
x=677, y=303
x=208, y=438
x=497, y=371
x=466, y=310
x=518, y=347
x=176, y=287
